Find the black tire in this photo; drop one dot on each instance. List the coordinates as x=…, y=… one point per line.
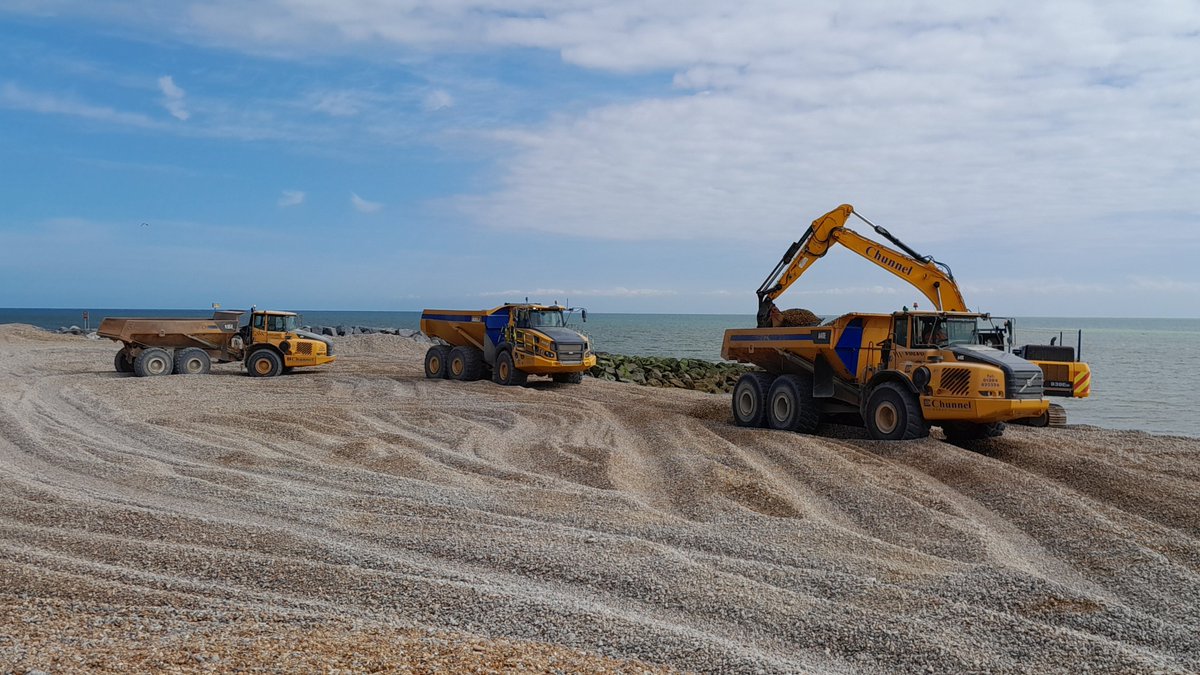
x=568, y=378
x=121, y=362
x=192, y=361
x=264, y=363
x=750, y=399
x=153, y=362
x=436, y=360
x=466, y=364
x=791, y=406
x=969, y=431
x=894, y=414
x=506, y=372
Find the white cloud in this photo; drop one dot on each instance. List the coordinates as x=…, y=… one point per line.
x=291, y=198
x=1161, y=285
x=173, y=98
x=18, y=98
x=438, y=99
x=1019, y=116
x=364, y=206
x=340, y=103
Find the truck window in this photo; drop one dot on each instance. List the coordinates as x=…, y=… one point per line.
x=966, y=332
x=259, y=321
x=930, y=331
x=901, y=329
x=539, y=319
x=277, y=323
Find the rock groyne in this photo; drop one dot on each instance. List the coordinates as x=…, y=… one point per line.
x=653, y=371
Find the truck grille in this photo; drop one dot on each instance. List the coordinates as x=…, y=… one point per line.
x=956, y=381
x=1023, y=384
x=570, y=353
x=304, y=348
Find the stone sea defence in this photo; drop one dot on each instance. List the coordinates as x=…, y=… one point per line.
x=653, y=371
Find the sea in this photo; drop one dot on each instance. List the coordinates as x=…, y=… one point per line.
x=1145, y=372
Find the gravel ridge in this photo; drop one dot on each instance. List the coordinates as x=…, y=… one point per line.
x=359, y=517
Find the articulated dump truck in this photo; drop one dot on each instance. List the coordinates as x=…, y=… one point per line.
x=511, y=342
x=897, y=372
x=268, y=345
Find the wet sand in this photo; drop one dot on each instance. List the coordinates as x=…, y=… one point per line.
x=359, y=517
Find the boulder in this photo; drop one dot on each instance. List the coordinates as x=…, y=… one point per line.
x=328, y=330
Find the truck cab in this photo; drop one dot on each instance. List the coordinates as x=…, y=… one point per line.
x=273, y=343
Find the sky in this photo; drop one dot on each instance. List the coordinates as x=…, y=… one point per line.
x=623, y=155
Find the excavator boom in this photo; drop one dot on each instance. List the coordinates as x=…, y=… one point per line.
x=927, y=275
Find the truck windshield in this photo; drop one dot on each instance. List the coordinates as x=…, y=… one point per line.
x=933, y=331
x=961, y=331
x=281, y=324
x=545, y=319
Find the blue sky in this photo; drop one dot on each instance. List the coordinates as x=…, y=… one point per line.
x=633, y=156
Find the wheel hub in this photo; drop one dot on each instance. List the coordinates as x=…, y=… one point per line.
x=746, y=403
x=781, y=408
x=887, y=418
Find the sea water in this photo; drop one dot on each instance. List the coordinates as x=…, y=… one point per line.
x=1144, y=371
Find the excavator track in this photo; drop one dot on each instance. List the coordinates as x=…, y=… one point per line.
x=1055, y=416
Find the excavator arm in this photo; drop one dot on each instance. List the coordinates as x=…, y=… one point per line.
x=927, y=275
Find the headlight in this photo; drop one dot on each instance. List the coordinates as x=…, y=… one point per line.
x=921, y=377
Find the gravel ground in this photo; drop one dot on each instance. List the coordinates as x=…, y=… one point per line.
x=359, y=517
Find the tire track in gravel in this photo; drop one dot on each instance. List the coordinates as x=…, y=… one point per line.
x=627, y=521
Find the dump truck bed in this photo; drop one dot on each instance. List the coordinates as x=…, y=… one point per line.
x=207, y=333
x=463, y=327
x=842, y=342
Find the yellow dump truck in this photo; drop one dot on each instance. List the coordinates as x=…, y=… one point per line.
x=512, y=342
x=897, y=372
x=268, y=345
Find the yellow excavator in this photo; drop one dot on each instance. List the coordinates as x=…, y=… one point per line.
x=1063, y=375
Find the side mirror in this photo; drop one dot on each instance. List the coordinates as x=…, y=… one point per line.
x=583, y=315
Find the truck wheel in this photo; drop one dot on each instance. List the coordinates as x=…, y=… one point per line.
x=152, y=362
x=466, y=364
x=894, y=414
x=568, y=378
x=192, y=361
x=122, y=363
x=750, y=399
x=506, y=373
x=969, y=431
x=264, y=363
x=791, y=406
x=435, y=362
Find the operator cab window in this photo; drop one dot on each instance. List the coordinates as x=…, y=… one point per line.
x=545, y=319
x=277, y=324
x=258, y=321
x=901, y=332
